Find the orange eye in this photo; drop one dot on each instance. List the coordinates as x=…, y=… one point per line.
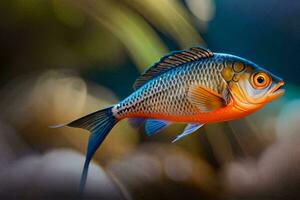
x=261, y=80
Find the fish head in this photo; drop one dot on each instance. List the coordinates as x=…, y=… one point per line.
x=251, y=86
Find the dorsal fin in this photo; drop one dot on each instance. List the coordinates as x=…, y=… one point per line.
x=174, y=59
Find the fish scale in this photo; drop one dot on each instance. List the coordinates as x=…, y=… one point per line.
x=167, y=94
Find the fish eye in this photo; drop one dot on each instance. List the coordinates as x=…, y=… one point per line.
x=260, y=80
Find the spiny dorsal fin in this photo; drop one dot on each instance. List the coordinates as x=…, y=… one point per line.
x=174, y=59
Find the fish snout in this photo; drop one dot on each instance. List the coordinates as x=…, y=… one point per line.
x=277, y=90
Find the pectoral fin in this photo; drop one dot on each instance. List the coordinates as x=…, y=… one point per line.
x=190, y=128
x=205, y=99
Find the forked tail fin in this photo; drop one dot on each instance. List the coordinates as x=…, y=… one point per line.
x=99, y=124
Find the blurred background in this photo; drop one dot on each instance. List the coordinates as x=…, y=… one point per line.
x=62, y=59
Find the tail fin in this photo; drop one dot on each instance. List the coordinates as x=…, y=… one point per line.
x=99, y=124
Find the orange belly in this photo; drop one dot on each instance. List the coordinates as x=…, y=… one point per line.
x=230, y=112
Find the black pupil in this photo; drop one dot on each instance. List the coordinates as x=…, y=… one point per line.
x=260, y=79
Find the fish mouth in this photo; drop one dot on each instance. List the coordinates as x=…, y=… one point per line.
x=277, y=90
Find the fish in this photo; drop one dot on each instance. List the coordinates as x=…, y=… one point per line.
x=193, y=86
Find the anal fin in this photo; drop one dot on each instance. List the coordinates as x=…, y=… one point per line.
x=153, y=126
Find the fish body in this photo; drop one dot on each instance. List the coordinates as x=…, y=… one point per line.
x=194, y=86
x=167, y=96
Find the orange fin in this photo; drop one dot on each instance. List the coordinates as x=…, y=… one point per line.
x=170, y=61
x=205, y=99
